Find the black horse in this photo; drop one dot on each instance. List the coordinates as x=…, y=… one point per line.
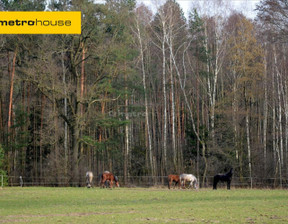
x=223, y=178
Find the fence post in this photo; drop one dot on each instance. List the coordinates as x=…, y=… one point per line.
x=2, y=181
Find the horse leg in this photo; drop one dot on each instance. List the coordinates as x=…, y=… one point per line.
x=228, y=184
x=103, y=180
x=169, y=184
x=215, y=181
x=175, y=183
x=190, y=185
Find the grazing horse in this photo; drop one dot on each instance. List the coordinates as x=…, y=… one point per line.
x=107, y=182
x=89, y=178
x=173, y=178
x=223, y=178
x=109, y=177
x=189, y=178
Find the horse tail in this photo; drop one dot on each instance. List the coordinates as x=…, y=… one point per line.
x=101, y=183
x=100, y=178
x=196, y=183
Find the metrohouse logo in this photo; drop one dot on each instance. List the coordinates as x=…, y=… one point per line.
x=40, y=22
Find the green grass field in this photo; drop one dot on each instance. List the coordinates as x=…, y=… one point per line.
x=141, y=205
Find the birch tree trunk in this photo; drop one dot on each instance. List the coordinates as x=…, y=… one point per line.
x=198, y=122
x=265, y=121
x=274, y=120
x=212, y=84
x=164, y=98
x=285, y=91
x=283, y=88
x=280, y=134
x=172, y=106
x=249, y=147
x=188, y=105
x=277, y=134
x=127, y=145
x=150, y=149
x=279, y=87
x=209, y=88
x=41, y=136
x=235, y=112
x=65, y=114
x=82, y=85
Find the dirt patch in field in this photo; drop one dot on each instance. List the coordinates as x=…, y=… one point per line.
x=176, y=220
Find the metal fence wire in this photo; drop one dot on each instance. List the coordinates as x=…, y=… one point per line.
x=140, y=181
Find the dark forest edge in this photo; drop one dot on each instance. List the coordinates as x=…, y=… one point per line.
x=143, y=94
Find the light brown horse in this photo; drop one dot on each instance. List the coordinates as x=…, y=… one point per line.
x=173, y=178
x=89, y=178
x=109, y=177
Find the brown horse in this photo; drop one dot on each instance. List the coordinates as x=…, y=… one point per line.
x=107, y=183
x=109, y=177
x=173, y=178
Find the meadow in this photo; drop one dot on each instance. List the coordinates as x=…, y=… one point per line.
x=142, y=205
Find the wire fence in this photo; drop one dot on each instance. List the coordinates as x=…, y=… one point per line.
x=139, y=181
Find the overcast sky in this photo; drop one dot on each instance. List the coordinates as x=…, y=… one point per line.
x=245, y=6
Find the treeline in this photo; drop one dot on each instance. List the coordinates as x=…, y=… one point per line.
x=143, y=94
